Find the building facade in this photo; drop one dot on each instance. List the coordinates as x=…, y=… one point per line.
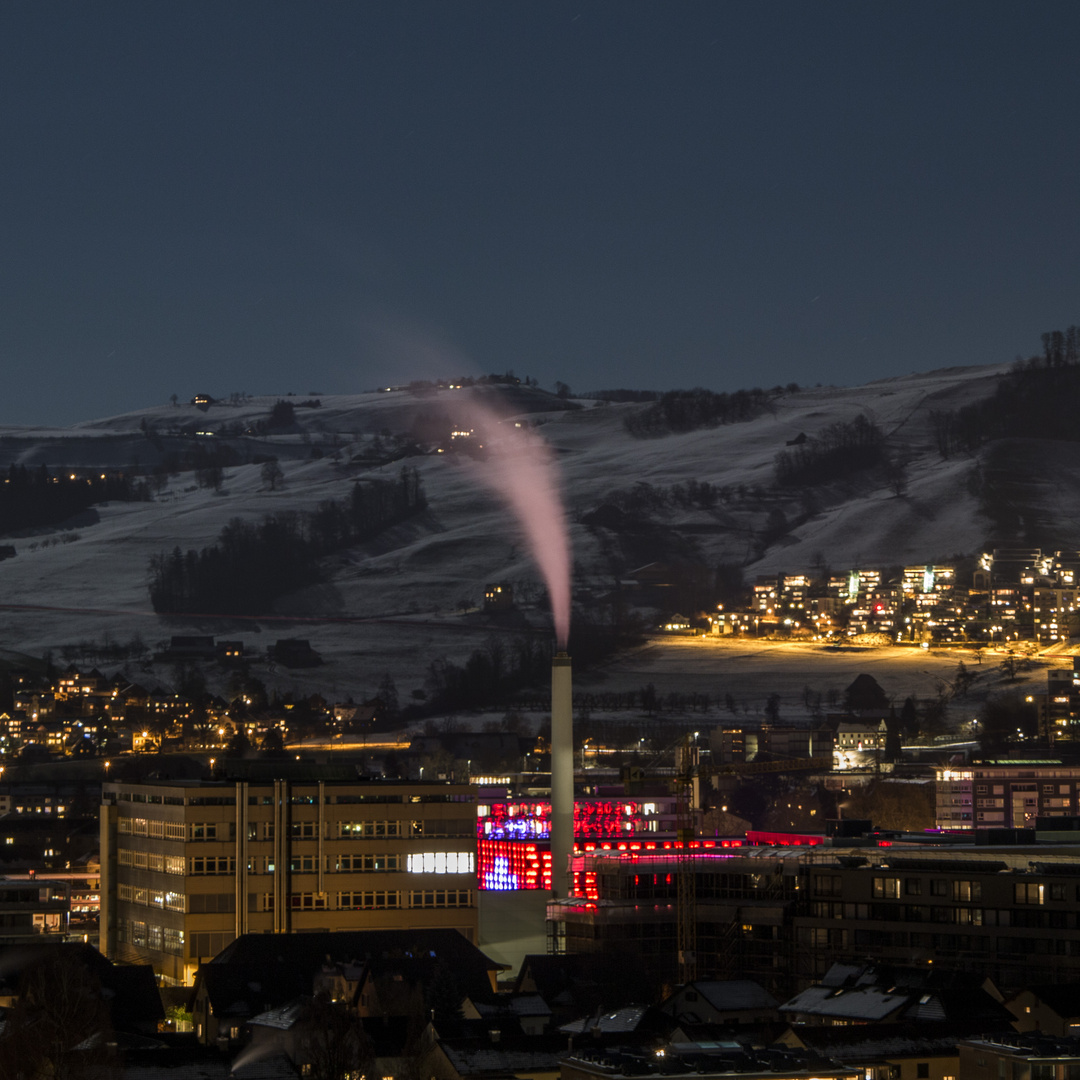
x=1008, y=794
x=783, y=917
x=187, y=866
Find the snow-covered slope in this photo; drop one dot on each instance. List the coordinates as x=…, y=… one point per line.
x=408, y=583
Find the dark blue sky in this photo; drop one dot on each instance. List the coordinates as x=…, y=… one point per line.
x=326, y=196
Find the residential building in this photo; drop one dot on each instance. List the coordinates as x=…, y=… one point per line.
x=187, y=866
x=34, y=911
x=1021, y=1057
x=783, y=916
x=1005, y=793
x=729, y=1060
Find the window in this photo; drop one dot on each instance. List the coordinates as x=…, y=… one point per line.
x=140, y=860
x=308, y=901
x=369, y=829
x=967, y=891
x=444, y=827
x=1057, y=892
x=440, y=898
x=123, y=892
x=913, y=886
x=157, y=829
x=827, y=885
x=304, y=864
x=153, y=937
x=173, y=940
x=441, y=862
x=175, y=864
x=213, y=864
x=175, y=830
x=922, y=1070
x=124, y=856
x=304, y=830
x=390, y=898
x=204, y=831
x=367, y=863
x=939, y=887
x=1028, y=893
x=156, y=862
x=888, y=888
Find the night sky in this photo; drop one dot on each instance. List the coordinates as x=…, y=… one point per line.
x=325, y=197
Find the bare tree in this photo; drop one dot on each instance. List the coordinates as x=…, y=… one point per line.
x=332, y=1042
x=60, y=1026
x=272, y=474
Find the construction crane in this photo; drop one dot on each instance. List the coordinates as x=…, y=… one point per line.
x=686, y=772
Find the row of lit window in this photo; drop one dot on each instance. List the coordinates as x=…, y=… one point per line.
x=375, y=900
x=173, y=901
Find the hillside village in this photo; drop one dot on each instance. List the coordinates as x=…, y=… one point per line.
x=323, y=826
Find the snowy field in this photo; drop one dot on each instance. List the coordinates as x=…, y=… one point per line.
x=392, y=606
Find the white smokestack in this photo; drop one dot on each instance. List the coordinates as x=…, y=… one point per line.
x=562, y=775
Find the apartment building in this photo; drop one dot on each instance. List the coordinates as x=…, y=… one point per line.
x=784, y=916
x=187, y=866
x=1006, y=794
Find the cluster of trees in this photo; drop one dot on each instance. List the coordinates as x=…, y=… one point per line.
x=1038, y=399
x=679, y=411
x=31, y=498
x=254, y=562
x=498, y=673
x=427, y=387
x=645, y=498
x=492, y=675
x=622, y=395
x=841, y=449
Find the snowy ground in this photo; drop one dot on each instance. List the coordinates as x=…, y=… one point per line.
x=407, y=584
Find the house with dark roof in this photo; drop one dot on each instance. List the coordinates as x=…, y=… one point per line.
x=261, y=972
x=906, y=1051
x=731, y=1001
x=1053, y=1010
x=878, y=994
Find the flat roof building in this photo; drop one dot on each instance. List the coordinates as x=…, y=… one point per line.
x=188, y=866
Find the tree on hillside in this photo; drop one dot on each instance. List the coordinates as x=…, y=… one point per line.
x=282, y=415
x=909, y=717
x=962, y=680
x=271, y=474
x=865, y=694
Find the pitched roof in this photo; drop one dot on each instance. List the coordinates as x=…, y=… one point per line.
x=730, y=995
x=258, y=972
x=855, y=1003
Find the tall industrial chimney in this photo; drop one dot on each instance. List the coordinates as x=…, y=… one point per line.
x=562, y=775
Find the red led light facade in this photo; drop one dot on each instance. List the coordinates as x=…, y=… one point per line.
x=509, y=865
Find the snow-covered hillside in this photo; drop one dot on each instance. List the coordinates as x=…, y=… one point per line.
x=407, y=585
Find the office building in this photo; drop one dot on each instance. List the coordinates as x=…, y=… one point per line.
x=188, y=866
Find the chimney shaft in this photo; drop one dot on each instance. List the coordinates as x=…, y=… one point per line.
x=562, y=775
